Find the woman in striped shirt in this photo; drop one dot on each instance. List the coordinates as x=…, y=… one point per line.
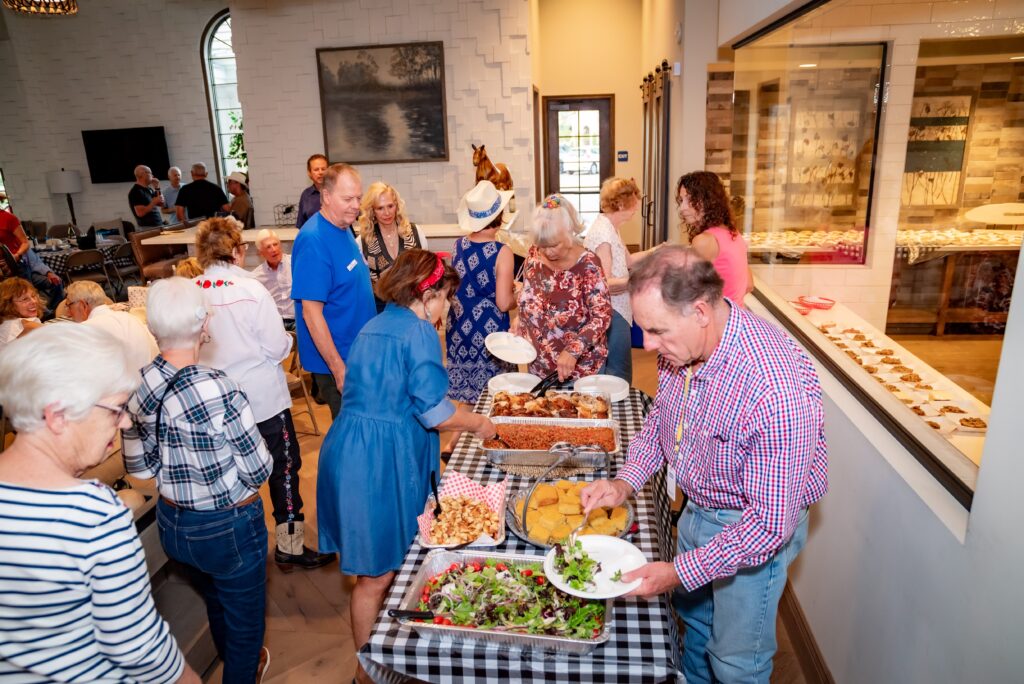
x=75, y=602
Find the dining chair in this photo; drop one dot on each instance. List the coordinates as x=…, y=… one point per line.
x=123, y=255
x=88, y=264
x=154, y=261
x=293, y=374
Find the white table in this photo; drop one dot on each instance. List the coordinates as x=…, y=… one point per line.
x=441, y=236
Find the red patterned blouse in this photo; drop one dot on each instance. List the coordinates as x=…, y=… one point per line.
x=565, y=310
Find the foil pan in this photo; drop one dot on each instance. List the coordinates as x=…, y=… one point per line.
x=516, y=526
x=533, y=420
x=438, y=560
x=535, y=457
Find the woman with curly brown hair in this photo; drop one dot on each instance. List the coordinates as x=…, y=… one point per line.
x=20, y=309
x=704, y=208
x=376, y=461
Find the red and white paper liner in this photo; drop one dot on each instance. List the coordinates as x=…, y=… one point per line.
x=455, y=485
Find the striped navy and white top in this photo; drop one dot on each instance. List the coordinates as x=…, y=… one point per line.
x=75, y=602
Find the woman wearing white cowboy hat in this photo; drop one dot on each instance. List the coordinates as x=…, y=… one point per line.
x=241, y=203
x=485, y=293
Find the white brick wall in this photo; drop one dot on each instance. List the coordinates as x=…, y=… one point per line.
x=487, y=86
x=123, y=63
x=118, y=63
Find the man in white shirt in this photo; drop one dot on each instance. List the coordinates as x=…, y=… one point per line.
x=87, y=304
x=171, y=191
x=276, y=275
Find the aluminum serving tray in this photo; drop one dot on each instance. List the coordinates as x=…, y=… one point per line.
x=534, y=458
x=439, y=560
x=567, y=392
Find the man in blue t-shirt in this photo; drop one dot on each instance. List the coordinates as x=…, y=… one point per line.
x=331, y=284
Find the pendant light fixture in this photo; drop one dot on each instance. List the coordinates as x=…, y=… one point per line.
x=43, y=7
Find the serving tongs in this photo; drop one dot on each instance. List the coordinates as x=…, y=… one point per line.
x=550, y=380
x=566, y=453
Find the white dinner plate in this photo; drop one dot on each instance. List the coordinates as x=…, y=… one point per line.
x=510, y=348
x=512, y=382
x=613, y=554
x=617, y=389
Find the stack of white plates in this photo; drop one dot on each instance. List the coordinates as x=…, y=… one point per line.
x=616, y=388
x=512, y=382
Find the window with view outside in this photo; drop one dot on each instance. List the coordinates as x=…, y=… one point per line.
x=5, y=203
x=222, y=97
x=579, y=161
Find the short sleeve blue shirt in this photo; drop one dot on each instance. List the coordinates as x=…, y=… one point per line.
x=328, y=267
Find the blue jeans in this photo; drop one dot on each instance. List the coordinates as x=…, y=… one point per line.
x=730, y=623
x=620, y=349
x=226, y=554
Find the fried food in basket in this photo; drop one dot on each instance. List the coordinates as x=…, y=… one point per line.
x=541, y=437
x=951, y=409
x=463, y=520
x=976, y=423
x=553, y=404
x=552, y=522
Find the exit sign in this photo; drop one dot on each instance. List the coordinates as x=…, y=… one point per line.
x=622, y=155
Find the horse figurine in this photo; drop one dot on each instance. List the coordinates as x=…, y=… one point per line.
x=487, y=170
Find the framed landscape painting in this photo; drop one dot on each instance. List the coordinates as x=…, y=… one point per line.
x=383, y=103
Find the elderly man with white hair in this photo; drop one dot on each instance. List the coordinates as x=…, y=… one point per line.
x=88, y=304
x=144, y=201
x=200, y=198
x=276, y=274
x=171, y=191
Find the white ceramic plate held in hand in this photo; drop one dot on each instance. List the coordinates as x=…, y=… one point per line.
x=614, y=554
x=617, y=389
x=512, y=382
x=510, y=348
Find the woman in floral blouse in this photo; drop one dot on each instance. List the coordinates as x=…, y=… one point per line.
x=564, y=306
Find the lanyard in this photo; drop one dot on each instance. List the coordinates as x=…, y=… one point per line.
x=670, y=480
x=682, y=427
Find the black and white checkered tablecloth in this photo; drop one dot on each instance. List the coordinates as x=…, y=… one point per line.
x=643, y=646
x=58, y=261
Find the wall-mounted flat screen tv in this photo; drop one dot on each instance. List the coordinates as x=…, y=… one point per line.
x=114, y=153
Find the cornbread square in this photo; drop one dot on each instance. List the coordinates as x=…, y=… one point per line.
x=619, y=514
x=574, y=520
x=545, y=494
x=569, y=508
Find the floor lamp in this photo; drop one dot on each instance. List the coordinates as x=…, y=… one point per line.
x=64, y=183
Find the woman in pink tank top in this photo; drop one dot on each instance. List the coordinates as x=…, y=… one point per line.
x=704, y=208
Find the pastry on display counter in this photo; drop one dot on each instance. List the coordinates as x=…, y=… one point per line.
x=928, y=395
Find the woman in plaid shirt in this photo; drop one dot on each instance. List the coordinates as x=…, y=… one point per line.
x=194, y=431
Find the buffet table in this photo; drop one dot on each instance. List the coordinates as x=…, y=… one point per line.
x=643, y=647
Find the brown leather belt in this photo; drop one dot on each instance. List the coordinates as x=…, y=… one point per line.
x=244, y=502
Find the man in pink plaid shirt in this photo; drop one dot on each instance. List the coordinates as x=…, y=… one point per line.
x=738, y=421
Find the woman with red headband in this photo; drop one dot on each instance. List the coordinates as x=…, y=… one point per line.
x=377, y=459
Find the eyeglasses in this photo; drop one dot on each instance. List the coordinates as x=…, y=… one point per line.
x=118, y=411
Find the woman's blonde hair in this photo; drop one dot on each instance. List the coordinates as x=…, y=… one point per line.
x=554, y=220
x=11, y=289
x=217, y=239
x=367, y=218
x=188, y=268
x=618, y=193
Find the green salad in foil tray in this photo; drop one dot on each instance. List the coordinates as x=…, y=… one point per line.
x=498, y=597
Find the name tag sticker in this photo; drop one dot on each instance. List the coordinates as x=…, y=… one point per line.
x=352, y=264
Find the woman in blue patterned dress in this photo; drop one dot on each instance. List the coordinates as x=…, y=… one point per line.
x=485, y=292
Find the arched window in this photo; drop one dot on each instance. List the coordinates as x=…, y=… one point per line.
x=222, y=96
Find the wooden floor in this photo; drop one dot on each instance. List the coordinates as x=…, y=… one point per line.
x=308, y=630
x=970, y=361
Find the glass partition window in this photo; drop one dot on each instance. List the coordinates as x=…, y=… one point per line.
x=804, y=128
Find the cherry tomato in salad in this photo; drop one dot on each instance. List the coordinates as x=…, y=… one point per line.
x=540, y=581
x=527, y=572
x=501, y=566
x=438, y=620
